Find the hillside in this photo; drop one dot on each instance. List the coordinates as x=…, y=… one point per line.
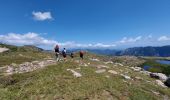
x=20, y=54
x=94, y=78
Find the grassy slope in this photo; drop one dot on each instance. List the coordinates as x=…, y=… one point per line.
x=21, y=54
x=56, y=82
x=20, y=57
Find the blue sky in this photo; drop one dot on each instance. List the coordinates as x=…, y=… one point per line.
x=113, y=24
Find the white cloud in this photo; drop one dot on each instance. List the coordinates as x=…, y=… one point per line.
x=130, y=40
x=164, y=38
x=78, y=45
x=31, y=38
x=41, y=16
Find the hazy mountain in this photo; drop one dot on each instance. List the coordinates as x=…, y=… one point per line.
x=163, y=51
x=24, y=48
x=147, y=51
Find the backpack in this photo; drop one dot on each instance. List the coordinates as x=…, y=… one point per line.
x=81, y=52
x=57, y=48
x=64, y=52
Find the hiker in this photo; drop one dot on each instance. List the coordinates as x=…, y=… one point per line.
x=57, y=52
x=64, y=53
x=72, y=55
x=81, y=54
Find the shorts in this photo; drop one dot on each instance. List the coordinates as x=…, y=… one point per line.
x=64, y=55
x=81, y=55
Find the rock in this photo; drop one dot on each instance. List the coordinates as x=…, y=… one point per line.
x=160, y=76
x=108, y=62
x=76, y=74
x=167, y=82
x=138, y=78
x=160, y=83
x=126, y=77
x=156, y=93
x=113, y=72
x=119, y=64
x=165, y=97
x=102, y=66
x=107, y=76
x=153, y=75
x=21, y=55
x=92, y=59
x=28, y=66
x=145, y=72
x=137, y=69
x=3, y=49
x=101, y=71
x=14, y=65
x=10, y=70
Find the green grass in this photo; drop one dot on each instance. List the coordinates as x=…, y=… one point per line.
x=55, y=82
x=20, y=57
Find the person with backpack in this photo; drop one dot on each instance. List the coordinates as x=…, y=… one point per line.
x=64, y=53
x=72, y=55
x=57, y=52
x=81, y=54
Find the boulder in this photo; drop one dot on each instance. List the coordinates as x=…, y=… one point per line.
x=113, y=72
x=137, y=69
x=153, y=75
x=167, y=82
x=3, y=49
x=160, y=83
x=119, y=64
x=160, y=76
x=76, y=74
x=102, y=66
x=145, y=72
x=10, y=70
x=93, y=59
x=138, y=78
x=108, y=62
x=100, y=71
x=126, y=77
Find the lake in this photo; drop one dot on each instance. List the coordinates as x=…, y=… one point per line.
x=167, y=62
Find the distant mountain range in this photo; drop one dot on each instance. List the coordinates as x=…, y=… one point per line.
x=163, y=51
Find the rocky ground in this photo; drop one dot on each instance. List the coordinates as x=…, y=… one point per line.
x=94, y=78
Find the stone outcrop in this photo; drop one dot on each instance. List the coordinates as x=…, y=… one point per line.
x=3, y=49
x=28, y=66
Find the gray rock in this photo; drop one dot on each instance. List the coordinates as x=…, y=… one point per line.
x=76, y=74
x=100, y=71
x=113, y=72
x=160, y=83
x=137, y=69
x=102, y=66
x=126, y=77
